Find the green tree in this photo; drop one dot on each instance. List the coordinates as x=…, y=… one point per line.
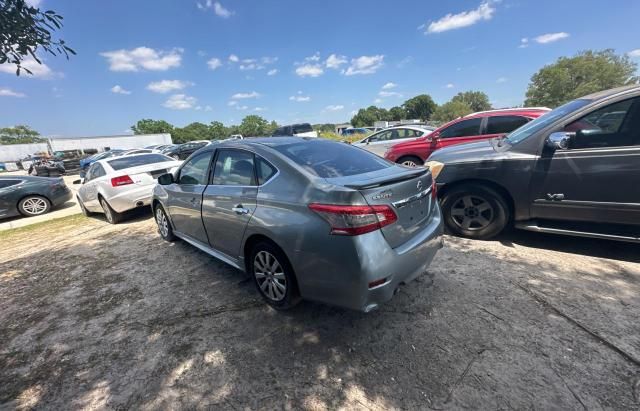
x=25, y=29
x=19, y=135
x=477, y=100
x=253, y=125
x=420, y=107
x=451, y=110
x=148, y=126
x=192, y=132
x=218, y=131
x=367, y=116
x=397, y=113
x=271, y=128
x=585, y=73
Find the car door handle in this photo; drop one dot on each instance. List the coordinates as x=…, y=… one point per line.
x=240, y=210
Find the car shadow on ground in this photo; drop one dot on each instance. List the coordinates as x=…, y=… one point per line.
x=121, y=319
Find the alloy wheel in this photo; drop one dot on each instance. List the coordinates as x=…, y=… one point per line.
x=409, y=163
x=270, y=276
x=107, y=210
x=34, y=205
x=472, y=213
x=163, y=223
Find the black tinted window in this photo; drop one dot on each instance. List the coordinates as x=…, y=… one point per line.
x=504, y=124
x=9, y=183
x=329, y=159
x=302, y=128
x=120, y=163
x=194, y=171
x=462, y=128
x=234, y=167
x=264, y=170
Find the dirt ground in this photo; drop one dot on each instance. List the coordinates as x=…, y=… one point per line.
x=111, y=317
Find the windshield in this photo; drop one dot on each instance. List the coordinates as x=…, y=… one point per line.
x=541, y=122
x=139, y=160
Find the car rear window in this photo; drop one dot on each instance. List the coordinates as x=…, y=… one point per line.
x=121, y=163
x=329, y=159
x=302, y=128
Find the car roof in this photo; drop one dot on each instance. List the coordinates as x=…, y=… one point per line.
x=611, y=92
x=25, y=177
x=523, y=111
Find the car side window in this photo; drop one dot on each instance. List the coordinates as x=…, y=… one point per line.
x=504, y=124
x=615, y=125
x=384, y=136
x=89, y=175
x=194, y=171
x=264, y=170
x=98, y=171
x=235, y=168
x=464, y=128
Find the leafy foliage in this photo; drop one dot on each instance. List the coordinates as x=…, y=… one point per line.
x=25, y=29
x=253, y=125
x=476, y=100
x=19, y=135
x=397, y=113
x=367, y=116
x=451, y=110
x=421, y=106
x=585, y=73
x=148, y=126
x=192, y=132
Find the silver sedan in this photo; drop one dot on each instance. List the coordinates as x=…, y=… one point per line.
x=306, y=218
x=117, y=184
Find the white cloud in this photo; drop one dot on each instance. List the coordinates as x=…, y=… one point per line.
x=119, y=90
x=300, y=98
x=260, y=109
x=502, y=80
x=404, y=62
x=389, y=86
x=165, y=86
x=336, y=107
x=464, y=19
x=524, y=43
x=239, y=96
x=377, y=101
x=180, y=102
x=238, y=107
x=450, y=85
x=217, y=7
x=214, y=63
x=389, y=94
x=7, y=92
x=143, y=58
x=309, y=70
x=551, y=37
x=315, y=57
x=634, y=53
x=208, y=108
x=334, y=61
x=232, y=103
x=233, y=58
x=272, y=72
x=364, y=65
x=39, y=71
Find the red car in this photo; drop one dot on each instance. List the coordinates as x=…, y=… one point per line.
x=473, y=127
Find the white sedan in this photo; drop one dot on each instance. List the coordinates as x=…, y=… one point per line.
x=117, y=184
x=379, y=142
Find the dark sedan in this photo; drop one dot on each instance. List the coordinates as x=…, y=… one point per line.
x=183, y=151
x=31, y=196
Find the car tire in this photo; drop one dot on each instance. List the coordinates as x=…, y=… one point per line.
x=475, y=211
x=34, y=205
x=84, y=210
x=410, y=161
x=164, y=225
x=273, y=276
x=111, y=215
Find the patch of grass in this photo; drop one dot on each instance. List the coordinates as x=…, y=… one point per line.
x=51, y=225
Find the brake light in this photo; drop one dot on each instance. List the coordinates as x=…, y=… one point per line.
x=121, y=181
x=355, y=220
x=434, y=190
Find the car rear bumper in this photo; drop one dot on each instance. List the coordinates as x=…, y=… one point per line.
x=345, y=274
x=61, y=196
x=130, y=197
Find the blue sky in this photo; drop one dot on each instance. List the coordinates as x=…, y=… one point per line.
x=295, y=60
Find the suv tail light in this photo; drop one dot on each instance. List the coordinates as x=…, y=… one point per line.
x=355, y=220
x=121, y=181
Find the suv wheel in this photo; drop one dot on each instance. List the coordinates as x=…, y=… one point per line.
x=410, y=161
x=273, y=276
x=112, y=216
x=475, y=211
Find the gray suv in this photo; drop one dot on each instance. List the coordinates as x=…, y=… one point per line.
x=307, y=218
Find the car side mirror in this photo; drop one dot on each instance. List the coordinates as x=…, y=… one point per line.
x=166, y=179
x=559, y=140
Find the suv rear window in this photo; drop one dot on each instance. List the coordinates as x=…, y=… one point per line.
x=139, y=160
x=328, y=159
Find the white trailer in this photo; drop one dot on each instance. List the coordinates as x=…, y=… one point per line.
x=102, y=143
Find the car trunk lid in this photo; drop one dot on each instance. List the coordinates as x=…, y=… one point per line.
x=407, y=191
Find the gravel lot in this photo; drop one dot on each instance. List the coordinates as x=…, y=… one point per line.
x=98, y=316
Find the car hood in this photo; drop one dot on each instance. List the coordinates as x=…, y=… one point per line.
x=476, y=151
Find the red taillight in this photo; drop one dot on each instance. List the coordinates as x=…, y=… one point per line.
x=121, y=181
x=355, y=220
x=434, y=190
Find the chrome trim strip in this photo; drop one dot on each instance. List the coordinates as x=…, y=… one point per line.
x=536, y=228
x=404, y=202
x=208, y=250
